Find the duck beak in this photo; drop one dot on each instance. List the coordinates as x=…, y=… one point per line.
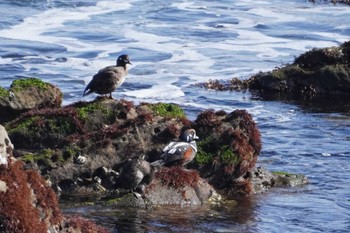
x=127, y=62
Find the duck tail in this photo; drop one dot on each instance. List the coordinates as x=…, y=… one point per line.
x=86, y=92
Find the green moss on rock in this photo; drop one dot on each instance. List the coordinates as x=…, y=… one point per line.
x=4, y=92
x=43, y=157
x=38, y=131
x=281, y=173
x=86, y=110
x=20, y=84
x=227, y=156
x=203, y=157
x=168, y=110
x=70, y=152
x=209, y=150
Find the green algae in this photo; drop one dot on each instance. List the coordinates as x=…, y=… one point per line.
x=4, y=92
x=227, y=156
x=281, y=173
x=45, y=157
x=168, y=110
x=85, y=111
x=20, y=84
x=209, y=150
x=70, y=152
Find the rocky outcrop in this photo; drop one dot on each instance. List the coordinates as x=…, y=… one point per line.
x=316, y=72
x=25, y=94
x=105, y=147
x=105, y=133
x=27, y=202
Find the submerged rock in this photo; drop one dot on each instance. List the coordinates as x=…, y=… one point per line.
x=263, y=179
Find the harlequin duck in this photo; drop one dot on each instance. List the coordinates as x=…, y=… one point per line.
x=179, y=152
x=135, y=174
x=109, y=78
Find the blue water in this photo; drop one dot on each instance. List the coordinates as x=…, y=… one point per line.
x=175, y=44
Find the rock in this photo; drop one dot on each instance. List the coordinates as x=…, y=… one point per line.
x=26, y=94
x=316, y=72
x=228, y=150
x=27, y=202
x=107, y=133
x=288, y=179
x=102, y=132
x=170, y=186
x=6, y=146
x=263, y=179
x=178, y=186
x=347, y=2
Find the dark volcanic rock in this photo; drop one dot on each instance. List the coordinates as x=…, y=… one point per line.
x=316, y=72
x=26, y=94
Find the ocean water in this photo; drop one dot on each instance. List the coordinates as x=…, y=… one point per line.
x=175, y=44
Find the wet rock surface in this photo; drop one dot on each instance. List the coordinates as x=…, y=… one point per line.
x=323, y=71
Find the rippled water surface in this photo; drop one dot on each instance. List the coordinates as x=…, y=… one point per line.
x=174, y=44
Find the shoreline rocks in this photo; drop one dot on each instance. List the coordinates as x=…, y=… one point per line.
x=83, y=148
x=317, y=72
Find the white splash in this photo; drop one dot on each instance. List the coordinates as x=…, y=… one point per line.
x=37, y=27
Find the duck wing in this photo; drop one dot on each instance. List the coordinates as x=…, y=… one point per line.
x=106, y=80
x=176, y=151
